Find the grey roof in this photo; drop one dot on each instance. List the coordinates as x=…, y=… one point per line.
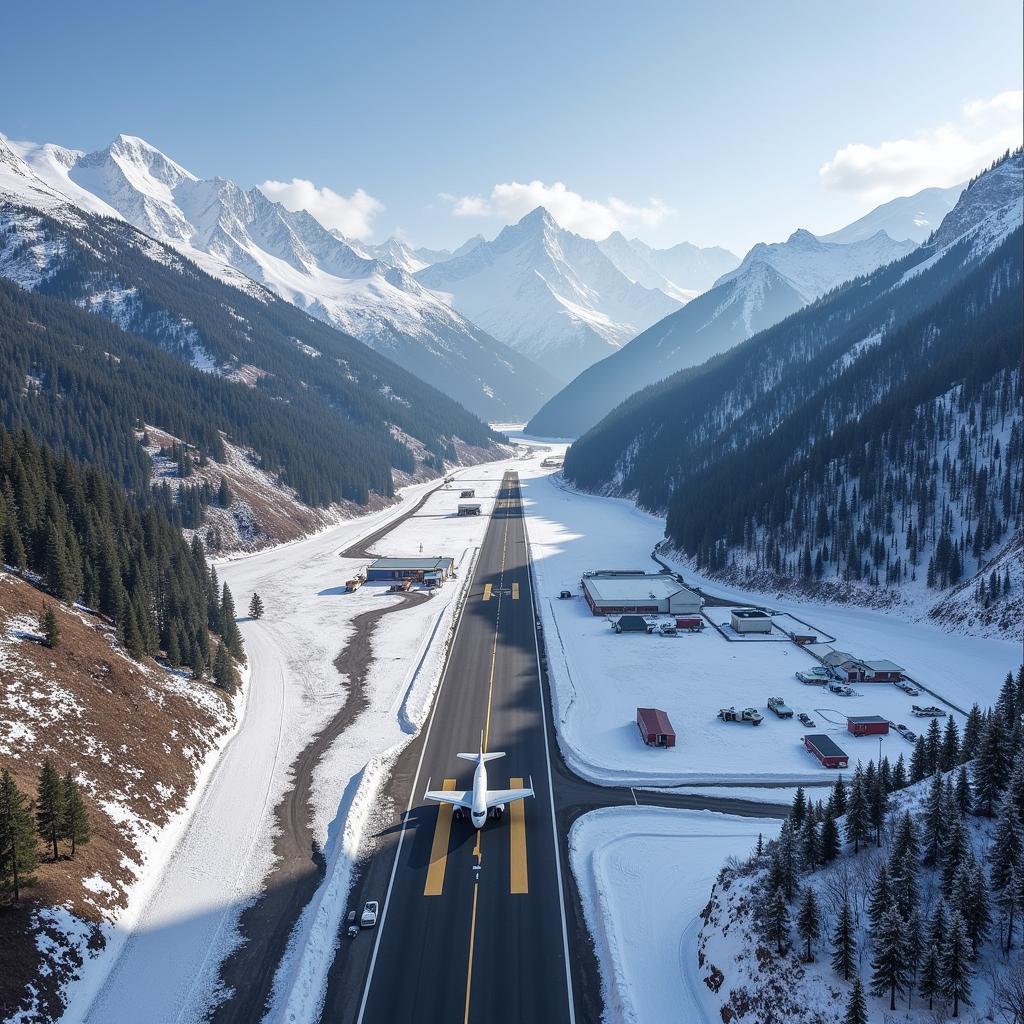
x=825, y=745
x=882, y=665
x=620, y=589
x=750, y=613
x=838, y=658
x=413, y=563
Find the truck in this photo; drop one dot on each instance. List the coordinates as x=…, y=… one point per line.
x=354, y=584
x=751, y=715
x=778, y=705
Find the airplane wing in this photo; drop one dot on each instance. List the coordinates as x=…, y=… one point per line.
x=455, y=797
x=506, y=796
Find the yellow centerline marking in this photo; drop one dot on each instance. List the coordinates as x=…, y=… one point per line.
x=515, y=591
x=439, y=847
x=494, y=647
x=488, y=587
x=519, y=882
x=472, y=939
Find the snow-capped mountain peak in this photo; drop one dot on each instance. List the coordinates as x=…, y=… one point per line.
x=549, y=293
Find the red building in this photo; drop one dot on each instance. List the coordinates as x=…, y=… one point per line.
x=867, y=725
x=655, y=728
x=826, y=751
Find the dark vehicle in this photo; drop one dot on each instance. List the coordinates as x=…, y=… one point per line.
x=564, y=594
x=806, y=719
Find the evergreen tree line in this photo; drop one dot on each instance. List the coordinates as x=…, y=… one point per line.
x=57, y=820
x=934, y=901
x=323, y=425
x=84, y=539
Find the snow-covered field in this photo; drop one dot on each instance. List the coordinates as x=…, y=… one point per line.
x=600, y=678
x=170, y=959
x=645, y=874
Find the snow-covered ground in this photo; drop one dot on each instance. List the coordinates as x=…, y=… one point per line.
x=171, y=957
x=600, y=678
x=644, y=875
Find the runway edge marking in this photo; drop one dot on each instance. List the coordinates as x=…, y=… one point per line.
x=547, y=757
x=413, y=791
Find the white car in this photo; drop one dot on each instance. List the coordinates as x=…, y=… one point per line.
x=369, y=916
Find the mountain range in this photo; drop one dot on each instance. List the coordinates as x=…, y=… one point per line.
x=773, y=281
x=230, y=232
x=811, y=451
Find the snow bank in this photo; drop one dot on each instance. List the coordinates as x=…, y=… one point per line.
x=644, y=874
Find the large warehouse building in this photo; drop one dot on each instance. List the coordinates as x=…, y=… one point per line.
x=617, y=592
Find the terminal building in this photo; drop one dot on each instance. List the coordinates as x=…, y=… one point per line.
x=617, y=592
x=422, y=570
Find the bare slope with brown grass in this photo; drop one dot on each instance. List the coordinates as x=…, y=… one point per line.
x=135, y=736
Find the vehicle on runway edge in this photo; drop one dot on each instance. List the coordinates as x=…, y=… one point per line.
x=479, y=801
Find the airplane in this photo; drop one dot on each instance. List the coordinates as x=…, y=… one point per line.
x=479, y=800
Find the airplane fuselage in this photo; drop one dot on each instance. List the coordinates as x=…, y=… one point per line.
x=478, y=812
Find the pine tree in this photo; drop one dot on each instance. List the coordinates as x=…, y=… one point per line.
x=844, y=944
x=858, y=824
x=964, y=794
x=889, y=968
x=49, y=627
x=229, y=627
x=256, y=606
x=839, y=797
x=75, y=821
x=778, y=919
x=955, y=968
x=17, y=838
x=224, y=674
x=808, y=922
x=856, y=1008
x=198, y=664
x=919, y=761
x=49, y=806
x=880, y=900
x=799, y=808
x=993, y=764
x=899, y=774
x=810, y=844
x=930, y=981
x=949, y=753
x=915, y=948
x=934, y=824
x=829, y=842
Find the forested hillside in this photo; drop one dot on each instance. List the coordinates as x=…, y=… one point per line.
x=901, y=891
x=316, y=405
x=872, y=440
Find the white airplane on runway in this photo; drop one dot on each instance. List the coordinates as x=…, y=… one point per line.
x=479, y=800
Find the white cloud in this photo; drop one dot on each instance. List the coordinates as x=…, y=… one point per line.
x=351, y=215
x=588, y=217
x=944, y=156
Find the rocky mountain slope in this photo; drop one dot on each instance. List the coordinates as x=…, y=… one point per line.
x=232, y=232
x=682, y=271
x=772, y=282
x=907, y=217
x=549, y=294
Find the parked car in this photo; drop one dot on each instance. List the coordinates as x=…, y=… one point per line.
x=931, y=711
x=907, y=688
x=751, y=715
x=806, y=719
x=779, y=706
x=840, y=689
x=668, y=629
x=818, y=674
x=908, y=734
x=369, y=915
x=352, y=928
x=564, y=594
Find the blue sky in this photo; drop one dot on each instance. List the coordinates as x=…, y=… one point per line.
x=700, y=121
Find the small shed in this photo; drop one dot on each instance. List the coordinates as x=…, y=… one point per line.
x=826, y=751
x=655, y=728
x=751, y=620
x=867, y=725
x=804, y=638
x=632, y=624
